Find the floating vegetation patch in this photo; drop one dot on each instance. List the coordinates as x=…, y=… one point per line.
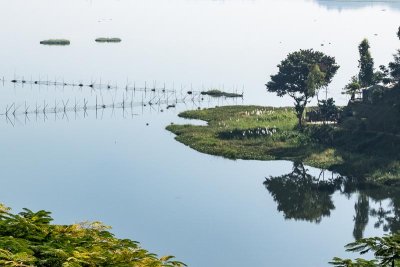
x=55, y=42
x=247, y=133
x=218, y=93
x=108, y=40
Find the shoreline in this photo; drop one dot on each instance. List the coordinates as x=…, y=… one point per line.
x=247, y=133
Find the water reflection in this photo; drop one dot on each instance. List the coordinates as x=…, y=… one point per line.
x=303, y=196
x=343, y=5
x=361, y=217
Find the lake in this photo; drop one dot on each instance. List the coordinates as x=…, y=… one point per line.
x=120, y=166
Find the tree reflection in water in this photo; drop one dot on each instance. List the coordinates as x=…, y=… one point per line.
x=302, y=196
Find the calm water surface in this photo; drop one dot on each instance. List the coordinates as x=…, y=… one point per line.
x=112, y=166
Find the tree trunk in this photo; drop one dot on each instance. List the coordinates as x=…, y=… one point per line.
x=300, y=118
x=300, y=105
x=299, y=114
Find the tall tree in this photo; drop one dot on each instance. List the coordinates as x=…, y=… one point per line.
x=398, y=33
x=394, y=67
x=365, y=64
x=301, y=75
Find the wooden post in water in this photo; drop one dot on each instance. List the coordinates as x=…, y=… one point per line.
x=96, y=106
x=132, y=101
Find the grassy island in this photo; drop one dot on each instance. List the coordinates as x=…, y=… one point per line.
x=267, y=133
x=362, y=143
x=218, y=93
x=108, y=40
x=29, y=239
x=55, y=42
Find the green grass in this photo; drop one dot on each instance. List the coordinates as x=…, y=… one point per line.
x=285, y=143
x=266, y=133
x=55, y=42
x=108, y=40
x=218, y=93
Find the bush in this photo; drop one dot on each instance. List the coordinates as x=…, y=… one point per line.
x=328, y=110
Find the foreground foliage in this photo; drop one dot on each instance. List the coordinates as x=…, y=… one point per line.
x=28, y=239
x=385, y=249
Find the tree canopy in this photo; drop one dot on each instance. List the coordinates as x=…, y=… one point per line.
x=366, y=65
x=301, y=75
x=395, y=67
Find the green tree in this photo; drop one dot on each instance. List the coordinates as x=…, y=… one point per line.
x=301, y=75
x=382, y=75
x=352, y=87
x=394, y=67
x=398, y=33
x=365, y=64
x=328, y=110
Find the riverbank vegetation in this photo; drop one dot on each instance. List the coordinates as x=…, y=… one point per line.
x=266, y=133
x=29, y=239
